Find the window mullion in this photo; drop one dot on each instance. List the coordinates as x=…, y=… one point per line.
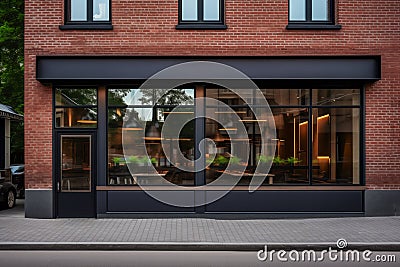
x=200, y=8
x=310, y=139
x=221, y=10
x=332, y=11
x=308, y=10
x=90, y=10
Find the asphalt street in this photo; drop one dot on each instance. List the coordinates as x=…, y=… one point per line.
x=162, y=259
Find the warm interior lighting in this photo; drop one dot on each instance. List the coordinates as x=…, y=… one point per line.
x=228, y=129
x=218, y=137
x=303, y=123
x=323, y=117
x=132, y=125
x=87, y=119
x=87, y=122
x=118, y=111
x=69, y=117
x=132, y=129
x=152, y=138
x=323, y=157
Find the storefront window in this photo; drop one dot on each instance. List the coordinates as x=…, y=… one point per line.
x=287, y=97
x=140, y=115
x=334, y=140
x=317, y=136
x=336, y=97
x=76, y=107
x=336, y=146
x=290, y=164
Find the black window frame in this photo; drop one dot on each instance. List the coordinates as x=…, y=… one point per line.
x=310, y=106
x=89, y=24
x=110, y=106
x=200, y=23
x=309, y=23
x=82, y=106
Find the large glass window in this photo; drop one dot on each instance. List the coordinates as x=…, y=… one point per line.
x=326, y=128
x=290, y=164
x=76, y=107
x=201, y=13
x=87, y=11
x=317, y=136
x=133, y=112
x=336, y=145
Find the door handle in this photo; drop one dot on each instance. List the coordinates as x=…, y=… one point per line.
x=58, y=187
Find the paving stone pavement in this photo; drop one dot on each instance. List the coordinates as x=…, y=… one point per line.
x=16, y=228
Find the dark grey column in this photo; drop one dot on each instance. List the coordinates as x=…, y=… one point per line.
x=199, y=135
x=39, y=203
x=382, y=202
x=101, y=179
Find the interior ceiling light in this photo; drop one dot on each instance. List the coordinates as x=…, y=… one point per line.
x=87, y=119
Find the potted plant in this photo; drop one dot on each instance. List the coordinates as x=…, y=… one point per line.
x=116, y=161
x=235, y=162
x=133, y=160
x=278, y=161
x=220, y=161
x=154, y=161
x=263, y=159
x=292, y=160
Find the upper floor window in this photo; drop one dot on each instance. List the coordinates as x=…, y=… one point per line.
x=201, y=14
x=87, y=14
x=314, y=14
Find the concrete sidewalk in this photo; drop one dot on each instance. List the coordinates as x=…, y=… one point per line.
x=17, y=232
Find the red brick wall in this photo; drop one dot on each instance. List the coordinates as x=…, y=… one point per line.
x=256, y=27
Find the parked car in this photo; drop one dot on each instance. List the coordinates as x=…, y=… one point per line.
x=18, y=178
x=8, y=194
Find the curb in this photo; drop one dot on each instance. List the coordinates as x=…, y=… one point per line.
x=149, y=246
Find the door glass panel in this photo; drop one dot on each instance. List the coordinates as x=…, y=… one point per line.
x=76, y=117
x=75, y=164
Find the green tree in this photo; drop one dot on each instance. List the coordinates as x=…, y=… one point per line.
x=172, y=97
x=12, y=66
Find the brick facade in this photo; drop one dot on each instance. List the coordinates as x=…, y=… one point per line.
x=255, y=28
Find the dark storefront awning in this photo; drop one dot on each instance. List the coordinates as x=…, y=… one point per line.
x=8, y=113
x=274, y=70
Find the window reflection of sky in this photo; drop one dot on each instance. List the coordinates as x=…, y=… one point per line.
x=320, y=10
x=78, y=10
